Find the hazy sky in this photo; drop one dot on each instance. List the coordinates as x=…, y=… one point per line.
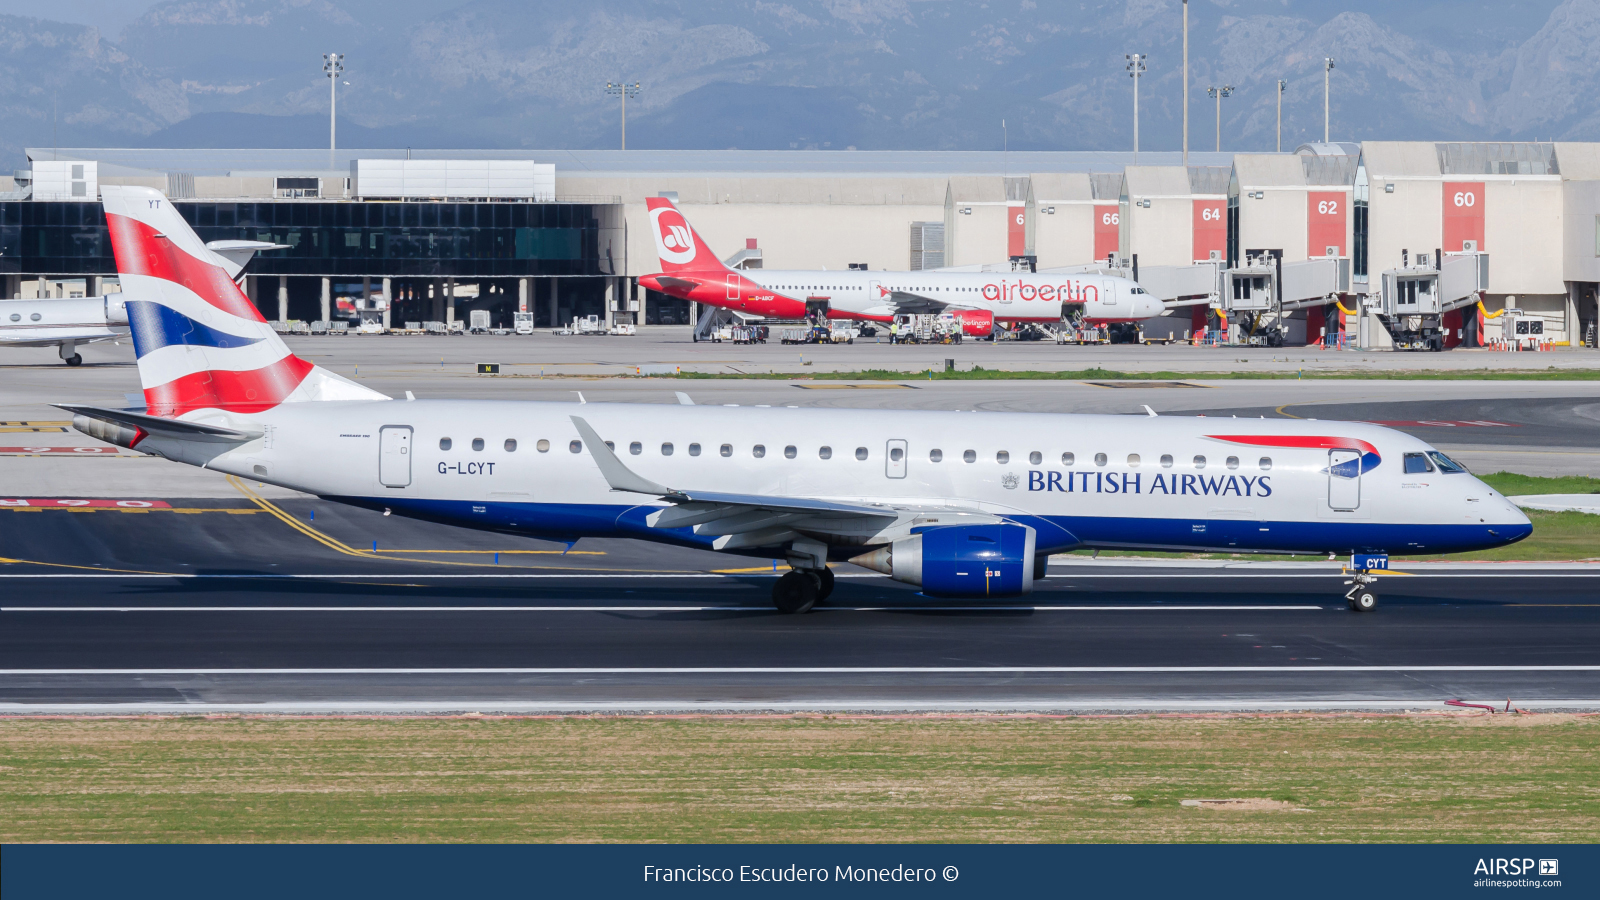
x=107, y=15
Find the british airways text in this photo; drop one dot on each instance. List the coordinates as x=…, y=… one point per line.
x=1132, y=483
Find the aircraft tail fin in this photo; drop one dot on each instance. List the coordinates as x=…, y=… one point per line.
x=201, y=344
x=678, y=246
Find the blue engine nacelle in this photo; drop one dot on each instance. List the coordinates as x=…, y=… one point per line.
x=960, y=560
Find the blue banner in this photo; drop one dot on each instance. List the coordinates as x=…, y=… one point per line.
x=1370, y=872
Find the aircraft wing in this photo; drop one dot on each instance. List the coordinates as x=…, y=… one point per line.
x=756, y=520
x=905, y=303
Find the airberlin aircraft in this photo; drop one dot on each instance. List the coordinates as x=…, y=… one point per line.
x=960, y=504
x=689, y=270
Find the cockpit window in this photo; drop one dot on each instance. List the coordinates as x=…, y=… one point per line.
x=1417, y=464
x=1446, y=465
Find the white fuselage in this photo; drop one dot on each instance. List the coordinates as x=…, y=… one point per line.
x=1079, y=480
x=47, y=322
x=1009, y=296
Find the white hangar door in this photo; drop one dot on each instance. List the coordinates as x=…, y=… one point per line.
x=394, y=456
x=1344, y=479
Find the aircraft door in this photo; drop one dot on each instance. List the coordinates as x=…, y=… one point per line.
x=894, y=463
x=876, y=293
x=1344, y=479
x=1108, y=293
x=733, y=287
x=394, y=456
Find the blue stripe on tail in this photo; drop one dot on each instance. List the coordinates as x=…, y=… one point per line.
x=155, y=326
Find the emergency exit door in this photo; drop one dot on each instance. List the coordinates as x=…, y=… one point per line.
x=394, y=456
x=894, y=461
x=1344, y=479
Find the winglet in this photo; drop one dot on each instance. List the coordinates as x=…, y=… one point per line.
x=683, y=399
x=619, y=476
x=1150, y=411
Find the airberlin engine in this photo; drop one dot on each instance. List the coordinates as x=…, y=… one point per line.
x=960, y=560
x=974, y=322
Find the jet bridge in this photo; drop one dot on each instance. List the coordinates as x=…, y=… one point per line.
x=1415, y=297
x=1261, y=294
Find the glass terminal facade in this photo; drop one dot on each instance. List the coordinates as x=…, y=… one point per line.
x=344, y=239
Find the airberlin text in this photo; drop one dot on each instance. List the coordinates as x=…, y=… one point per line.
x=793, y=873
x=1133, y=483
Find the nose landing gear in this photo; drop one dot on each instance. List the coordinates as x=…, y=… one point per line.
x=1361, y=596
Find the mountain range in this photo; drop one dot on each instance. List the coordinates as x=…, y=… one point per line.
x=807, y=74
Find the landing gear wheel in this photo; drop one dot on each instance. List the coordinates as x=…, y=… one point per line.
x=824, y=583
x=795, y=592
x=1364, y=601
x=75, y=359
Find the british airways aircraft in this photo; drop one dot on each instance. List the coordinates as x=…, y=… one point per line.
x=961, y=504
x=690, y=271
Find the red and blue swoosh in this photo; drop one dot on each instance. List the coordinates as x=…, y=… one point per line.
x=1369, y=454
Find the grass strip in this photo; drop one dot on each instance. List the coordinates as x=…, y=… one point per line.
x=802, y=779
x=978, y=373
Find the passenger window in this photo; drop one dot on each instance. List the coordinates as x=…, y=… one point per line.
x=694, y=449
x=1417, y=463
x=1199, y=462
x=758, y=451
x=727, y=450
x=611, y=446
x=635, y=448
x=576, y=446
x=1068, y=459
x=935, y=456
x=1133, y=459
x=477, y=443
x=511, y=445
x=1099, y=459
x=861, y=453
x=825, y=453
x=444, y=443
x=1233, y=462
x=789, y=452
x=666, y=449
x=1265, y=463
x=1035, y=458
x=1166, y=460
x=1002, y=457
x=543, y=446
x=896, y=455
x=970, y=456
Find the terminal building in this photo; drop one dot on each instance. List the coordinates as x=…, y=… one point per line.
x=429, y=235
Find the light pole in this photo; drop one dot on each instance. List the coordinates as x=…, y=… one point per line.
x=1219, y=93
x=624, y=91
x=1327, y=67
x=1186, y=82
x=1281, y=85
x=333, y=67
x=1135, y=69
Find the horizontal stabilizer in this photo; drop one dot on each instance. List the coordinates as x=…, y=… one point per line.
x=176, y=429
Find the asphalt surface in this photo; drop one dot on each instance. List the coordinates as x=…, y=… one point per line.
x=210, y=606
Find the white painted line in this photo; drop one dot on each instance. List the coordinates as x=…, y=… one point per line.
x=436, y=576
x=795, y=670
x=352, y=609
x=866, y=706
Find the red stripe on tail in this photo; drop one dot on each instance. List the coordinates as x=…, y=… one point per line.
x=249, y=391
x=140, y=251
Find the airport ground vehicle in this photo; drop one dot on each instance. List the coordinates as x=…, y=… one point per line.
x=961, y=504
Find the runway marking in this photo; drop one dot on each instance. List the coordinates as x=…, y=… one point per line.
x=579, y=575
x=793, y=670
x=766, y=608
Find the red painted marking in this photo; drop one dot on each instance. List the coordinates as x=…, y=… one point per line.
x=1325, y=222
x=1308, y=441
x=1107, y=225
x=85, y=451
x=1463, y=214
x=1016, y=230
x=96, y=504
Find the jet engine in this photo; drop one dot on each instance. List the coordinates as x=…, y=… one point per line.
x=960, y=560
x=974, y=322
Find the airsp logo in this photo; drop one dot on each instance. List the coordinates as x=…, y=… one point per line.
x=1010, y=481
x=674, y=244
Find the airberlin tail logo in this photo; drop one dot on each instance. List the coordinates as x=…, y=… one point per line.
x=674, y=241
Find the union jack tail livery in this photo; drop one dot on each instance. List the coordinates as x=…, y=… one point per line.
x=201, y=344
x=677, y=243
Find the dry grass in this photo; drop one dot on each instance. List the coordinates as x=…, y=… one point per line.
x=1352, y=778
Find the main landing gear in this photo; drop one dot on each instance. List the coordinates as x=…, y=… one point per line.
x=800, y=589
